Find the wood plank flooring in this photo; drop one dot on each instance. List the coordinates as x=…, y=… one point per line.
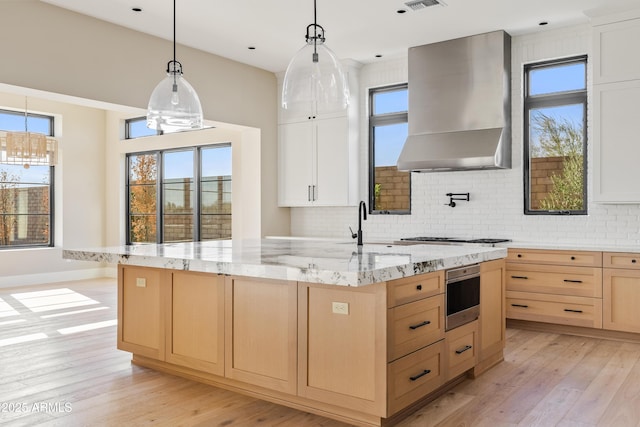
x=59, y=366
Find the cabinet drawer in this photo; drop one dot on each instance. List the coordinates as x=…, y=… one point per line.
x=552, y=279
x=539, y=256
x=461, y=346
x=621, y=260
x=415, y=325
x=560, y=309
x=414, y=288
x=414, y=376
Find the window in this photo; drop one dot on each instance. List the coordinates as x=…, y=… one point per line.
x=136, y=128
x=26, y=193
x=555, y=141
x=184, y=193
x=389, y=189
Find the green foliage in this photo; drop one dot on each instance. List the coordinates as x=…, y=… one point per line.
x=561, y=138
x=8, y=188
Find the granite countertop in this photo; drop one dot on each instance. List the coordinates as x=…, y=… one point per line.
x=315, y=261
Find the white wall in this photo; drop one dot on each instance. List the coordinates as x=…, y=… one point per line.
x=496, y=207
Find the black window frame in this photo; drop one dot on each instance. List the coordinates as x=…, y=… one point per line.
x=554, y=99
x=127, y=128
x=383, y=120
x=197, y=183
x=52, y=222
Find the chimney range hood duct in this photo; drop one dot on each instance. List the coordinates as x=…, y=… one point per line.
x=459, y=105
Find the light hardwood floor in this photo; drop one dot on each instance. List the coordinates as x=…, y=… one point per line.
x=58, y=376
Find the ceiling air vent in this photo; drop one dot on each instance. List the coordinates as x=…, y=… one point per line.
x=421, y=4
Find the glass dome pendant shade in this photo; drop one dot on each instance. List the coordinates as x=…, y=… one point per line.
x=315, y=77
x=174, y=104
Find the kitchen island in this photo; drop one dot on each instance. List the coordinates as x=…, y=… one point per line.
x=352, y=333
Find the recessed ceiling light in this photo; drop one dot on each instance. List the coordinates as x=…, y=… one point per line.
x=543, y=23
x=136, y=9
x=401, y=11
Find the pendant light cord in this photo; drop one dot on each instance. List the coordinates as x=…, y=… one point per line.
x=174, y=31
x=315, y=32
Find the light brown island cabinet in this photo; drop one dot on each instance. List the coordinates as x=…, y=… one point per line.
x=142, y=310
x=364, y=355
x=491, y=324
x=621, y=283
x=196, y=299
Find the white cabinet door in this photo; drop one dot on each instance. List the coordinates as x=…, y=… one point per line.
x=616, y=142
x=332, y=154
x=615, y=52
x=296, y=163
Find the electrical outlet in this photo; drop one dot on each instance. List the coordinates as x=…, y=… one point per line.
x=340, y=307
x=141, y=282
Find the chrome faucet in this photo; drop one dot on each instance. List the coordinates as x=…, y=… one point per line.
x=362, y=215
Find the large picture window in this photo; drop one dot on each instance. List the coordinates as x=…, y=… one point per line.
x=179, y=195
x=555, y=142
x=389, y=189
x=26, y=191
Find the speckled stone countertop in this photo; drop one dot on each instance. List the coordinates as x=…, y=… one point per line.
x=315, y=261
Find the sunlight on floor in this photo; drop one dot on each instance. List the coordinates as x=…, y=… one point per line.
x=54, y=299
x=66, y=313
x=88, y=327
x=22, y=338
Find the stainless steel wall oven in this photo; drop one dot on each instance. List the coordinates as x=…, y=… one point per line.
x=462, y=291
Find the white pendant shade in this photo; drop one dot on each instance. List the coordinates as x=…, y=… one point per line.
x=322, y=84
x=172, y=108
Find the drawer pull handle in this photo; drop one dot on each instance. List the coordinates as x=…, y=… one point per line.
x=633, y=261
x=419, y=325
x=520, y=277
x=572, y=311
x=519, y=305
x=419, y=287
x=573, y=258
x=572, y=281
x=519, y=255
x=463, y=349
x=421, y=374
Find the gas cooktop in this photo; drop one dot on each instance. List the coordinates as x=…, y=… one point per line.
x=453, y=240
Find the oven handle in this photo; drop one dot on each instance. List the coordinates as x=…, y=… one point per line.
x=462, y=278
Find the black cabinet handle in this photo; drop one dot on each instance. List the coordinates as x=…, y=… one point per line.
x=519, y=305
x=519, y=277
x=633, y=261
x=519, y=255
x=421, y=374
x=463, y=349
x=419, y=287
x=573, y=258
x=572, y=281
x=572, y=311
x=419, y=325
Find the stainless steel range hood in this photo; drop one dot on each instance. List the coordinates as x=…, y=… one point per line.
x=459, y=105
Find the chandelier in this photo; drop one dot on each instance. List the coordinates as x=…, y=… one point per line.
x=27, y=148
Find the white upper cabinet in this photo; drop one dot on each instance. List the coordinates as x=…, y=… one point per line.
x=616, y=97
x=318, y=154
x=616, y=52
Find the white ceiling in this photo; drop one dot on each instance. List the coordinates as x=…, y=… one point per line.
x=355, y=29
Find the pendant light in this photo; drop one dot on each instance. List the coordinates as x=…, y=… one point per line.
x=314, y=80
x=28, y=148
x=174, y=104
